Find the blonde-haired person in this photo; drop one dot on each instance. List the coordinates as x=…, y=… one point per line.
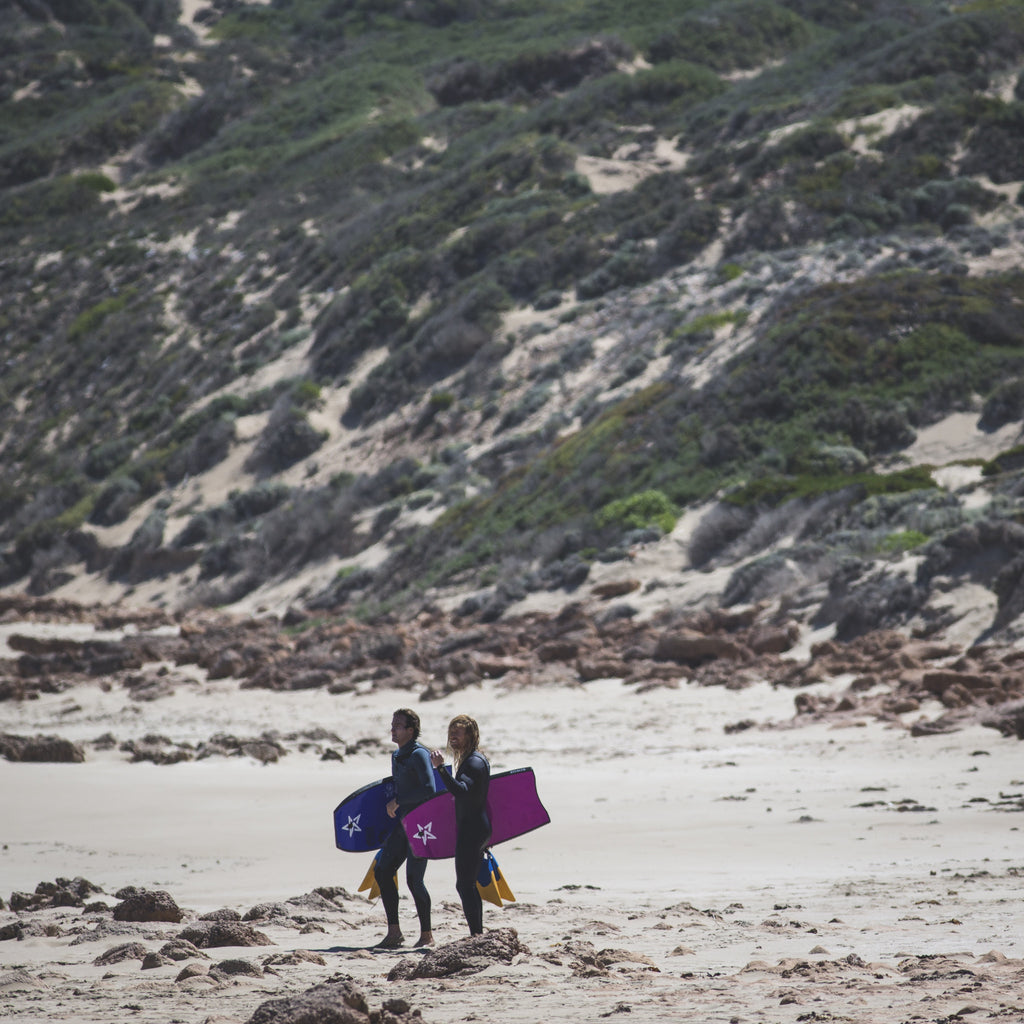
x=469, y=786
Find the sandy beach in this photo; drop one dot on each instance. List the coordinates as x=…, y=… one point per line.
x=690, y=872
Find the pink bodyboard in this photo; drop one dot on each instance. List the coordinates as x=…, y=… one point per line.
x=512, y=802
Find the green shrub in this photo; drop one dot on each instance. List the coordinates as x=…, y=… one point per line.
x=64, y=196
x=736, y=35
x=649, y=508
x=114, y=503
x=107, y=456
x=1008, y=461
x=288, y=438
x=776, y=490
x=87, y=322
x=905, y=540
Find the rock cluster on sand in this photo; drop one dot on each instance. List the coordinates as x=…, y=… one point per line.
x=63, y=892
x=466, y=956
x=943, y=685
x=337, y=1001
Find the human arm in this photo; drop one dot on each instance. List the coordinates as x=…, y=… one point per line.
x=421, y=762
x=471, y=778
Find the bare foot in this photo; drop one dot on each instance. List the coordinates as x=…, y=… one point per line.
x=393, y=940
x=425, y=939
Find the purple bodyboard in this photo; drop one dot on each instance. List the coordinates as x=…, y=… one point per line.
x=512, y=802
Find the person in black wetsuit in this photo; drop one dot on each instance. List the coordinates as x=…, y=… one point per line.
x=414, y=783
x=472, y=823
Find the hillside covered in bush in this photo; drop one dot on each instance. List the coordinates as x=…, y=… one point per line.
x=360, y=303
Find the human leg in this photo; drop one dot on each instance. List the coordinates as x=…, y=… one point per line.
x=392, y=854
x=415, y=870
x=469, y=852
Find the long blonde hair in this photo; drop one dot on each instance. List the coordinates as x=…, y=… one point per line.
x=472, y=738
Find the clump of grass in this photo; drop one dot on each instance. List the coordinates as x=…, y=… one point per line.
x=649, y=508
x=903, y=541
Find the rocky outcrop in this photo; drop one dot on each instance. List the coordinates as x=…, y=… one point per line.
x=337, y=1001
x=145, y=905
x=211, y=934
x=63, y=892
x=465, y=956
x=125, y=951
x=40, y=748
x=892, y=675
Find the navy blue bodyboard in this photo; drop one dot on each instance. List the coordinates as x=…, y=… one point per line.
x=361, y=821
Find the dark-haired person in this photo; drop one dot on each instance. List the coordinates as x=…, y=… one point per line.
x=469, y=786
x=414, y=783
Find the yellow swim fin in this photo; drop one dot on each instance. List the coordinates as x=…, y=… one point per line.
x=491, y=882
x=370, y=880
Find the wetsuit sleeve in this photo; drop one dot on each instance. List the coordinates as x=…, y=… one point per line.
x=471, y=774
x=420, y=762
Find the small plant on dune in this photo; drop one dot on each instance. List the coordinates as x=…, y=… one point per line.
x=905, y=540
x=648, y=508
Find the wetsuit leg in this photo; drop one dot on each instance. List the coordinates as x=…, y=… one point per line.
x=415, y=869
x=393, y=852
x=469, y=853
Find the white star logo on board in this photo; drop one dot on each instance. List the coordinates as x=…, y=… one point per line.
x=352, y=826
x=423, y=833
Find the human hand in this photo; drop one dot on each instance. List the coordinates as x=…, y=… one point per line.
x=392, y=808
x=436, y=758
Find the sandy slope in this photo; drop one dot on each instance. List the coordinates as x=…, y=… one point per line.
x=760, y=876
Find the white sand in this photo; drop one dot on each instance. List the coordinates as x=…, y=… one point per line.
x=653, y=807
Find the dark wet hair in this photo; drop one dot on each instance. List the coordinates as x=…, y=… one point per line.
x=412, y=721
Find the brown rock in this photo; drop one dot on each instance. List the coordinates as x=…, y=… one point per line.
x=223, y=664
x=210, y=934
x=691, y=648
x=266, y=753
x=615, y=588
x=41, y=645
x=293, y=957
x=148, y=906
x=601, y=668
x=826, y=649
x=773, y=639
x=558, y=650
x=181, y=949
x=493, y=667
x=941, y=679
x=334, y=1002
x=1008, y=719
x=192, y=971
x=40, y=749
x=238, y=967
x=900, y=705
x=863, y=683
x=126, y=951
x=465, y=956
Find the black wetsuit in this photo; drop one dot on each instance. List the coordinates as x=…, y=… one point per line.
x=472, y=832
x=414, y=783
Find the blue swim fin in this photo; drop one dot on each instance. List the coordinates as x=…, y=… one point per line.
x=491, y=882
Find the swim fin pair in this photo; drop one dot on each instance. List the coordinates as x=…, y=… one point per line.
x=489, y=880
